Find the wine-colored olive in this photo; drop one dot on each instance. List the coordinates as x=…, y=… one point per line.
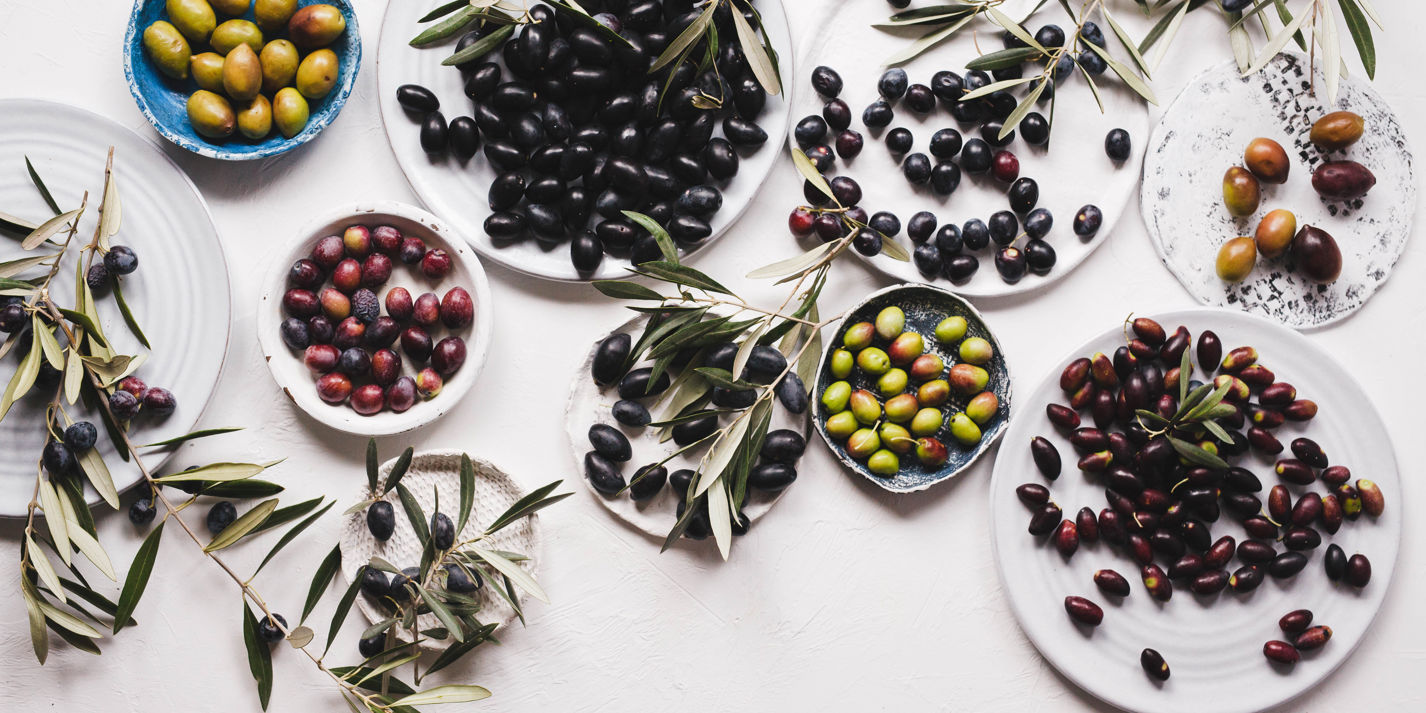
x=1295, y=621
x=1156, y=582
x=1336, y=475
x=1331, y=513
x=1373, y=502
x=1267, y=160
x=1242, y=480
x=1096, y=462
x=1221, y=553
x=1087, y=525
x=1337, y=130
x=1316, y=254
x=1300, y=539
x=1089, y=440
x=1313, y=638
x=1359, y=570
x=1279, y=503
x=1189, y=565
x=1342, y=180
x=1033, y=494
x=1102, y=369
x=1257, y=375
x=1047, y=457
x=1062, y=416
x=1281, y=652
x=1287, y=564
x=1210, y=582
x=1084, y=611
x=1307, y=509
x=1082, y=399
x=1241, y=192
x=1148, y=330
x=1335, y=562
x=1045, y=520
x=1262, y=417
x=1154, y=664
x=1300, y=410
x=1111, y=528
x=1294, y=471
x=1103, y=407
x=1239, y=358
x=1245, y=579
x=1140, y=550
x=1264, y=441
x=1111, y=583
x=1067, y=538
x=1075, y=375
x=1278, y=394
x=1256, y=552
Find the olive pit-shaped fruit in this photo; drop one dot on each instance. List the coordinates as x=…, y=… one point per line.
x=316, y=25
x=207, y=71
x=242, y=74
x=317, y=74
x=235, y=32
x=1275, y=233
x=858, y=336
x=1342, y=180
x=983, y=407
x=271, y=14
x=1241, y=192
x=890, y=322
x=211, y=115
x=289, y=111
x=1337, y=130
x=193, y=18
x=1236, y=258
x=836, y=397
x=951, y=330
x=1316, y=254
x=255, y=118
x=168, y=49
x=279, y=62
x=965, y=430
x=1267, y=160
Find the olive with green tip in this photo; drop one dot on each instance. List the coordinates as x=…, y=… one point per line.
x=890, y=322
x=290, y=111
x=975, y=350
x=207, y=71
x=983, y=407
x=926, y=422
x=896, y=438
x=964, y=430
x=279, y=62
x=168, y=49
x=836, y=396
x=211, y=115
x=934, y=393
x=235, y=32
x=842, y=425
x=892, y=383
x=317, y=74
x=242, y=74
x=863, y=443
x=1241, y=192
x=865, y=406
x=874, y=361
x=842, y=363
x=883, y=463
x=255, y=119
x=951, y=330
x=931, y=452
x=194, y=18
x=858, y=336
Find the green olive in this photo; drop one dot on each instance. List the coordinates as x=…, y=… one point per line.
x=255, y=119
x=890, y=321
x=964, y=430
x=289, y=111
x=317, y=74
x=1235, y=259
x=873, y=361
x=1241, y=192
x=892, y=383
x=232, y=33
x=207, y=71
x=273, y=14
x=194, y=18
x=951, y=329
x=841, y=363
x=927, y=422
x=168, y=49
x=934, y=393
x=231, y=8
x=279, y=65
x=982, y=408
x=316, y=26
x=901, y=408
x=865, y=406
x=842, y=425
x=968, y=379
x=835, y=396
x=863, y=443
x=883, y=463
x=896, y=438
x=242, y=74
x=931, y=452
x=210, y=115
x=906, y=348
x=976, y=351
x=858, y=336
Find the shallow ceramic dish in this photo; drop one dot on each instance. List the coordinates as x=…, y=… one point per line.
x=1071, y=173
x=164, y=100
x=925, y=306
x=180, y=294
x=1182, y=192
x=432, y=472
x=296, y=380
x=590, y=403
x=458, y=193
x=1213, y=645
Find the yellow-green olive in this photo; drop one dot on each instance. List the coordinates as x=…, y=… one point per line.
x=901, y=408
x=168, y=49
x=207, y=69
x=1274, y=233
x=873, y=360
x=926, y=422
x=976, y=351
x=242, y=74
x=982, y=408
x=1241, y=192
x=316, y=26
x=231, y=8
x=289, y=111
x=279, y=65
x=842, y=425
x=273, y=14
x=964, y=430
x=892, y=383
x=863, y=443
x=865, y=406
x=934, y=393
x=896, y=438
x=235, y=32
x=883, y=463
x=255, y=119
x=951, y=329
x=835, y=396
x=317, y=74
x=841, y=363
x=1235, y=259
x=210, y=115
x=890, y=321
x=194, y=18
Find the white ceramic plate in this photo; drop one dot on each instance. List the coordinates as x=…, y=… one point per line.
x=1072, y=173
x=459, y=193
x=1204, y=132
x=1213, y=645
x=297, y=381
x=590, y=404
x=179, y=296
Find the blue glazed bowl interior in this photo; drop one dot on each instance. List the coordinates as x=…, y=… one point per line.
x=925, y=306
x=164, y=100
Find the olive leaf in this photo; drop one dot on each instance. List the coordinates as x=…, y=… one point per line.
x=110, y=209
x=756, y=54
x=1128, y=43
x=450, y=693
x=809, y=171
x=535, y=501
x=259, y=656
x=442, y=613
x=241, y=526
x=1005, y=59
x=321, y=579
x=47, y=230
x=447, y=28
x=929, y=15
x=680, y=275
x=519, y=576
x=666, y=244
x=40, y=186
x=443, y=10
x=11, y=268
x=54, y=519
x=467, y=491
x=1197, y=455
x=193, y=436
x=217, y=472
x=39, y=639
x=1275, y=45
x=414, y=513
x=15, y=226
x=128, y=314
x=481, y=47
x=625, y=290
x=686, y=39
x=340, y=615
x=994, y=87
x=793, y=265
x=398, y=469
x=138, y=578
x=1016, y=29
x=291, y=534
x=927, y=41
x=98, y=600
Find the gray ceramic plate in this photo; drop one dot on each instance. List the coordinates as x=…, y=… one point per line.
x=925, y=306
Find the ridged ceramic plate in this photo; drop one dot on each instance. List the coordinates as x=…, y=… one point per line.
x=458, y=193
x=1073, y=172
x=1213, y=644
x=179, y=295
x=1205, y=131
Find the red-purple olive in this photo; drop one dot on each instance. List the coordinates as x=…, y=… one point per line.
x=457, y=308
x=1084, y=611
x=1172, y=350
x=1096, y=462
x=1063, y=417
x=1335, y=475
x=401, y=396
x=1221, y=553
x=1351, y=501
x=1281, y=652
x=1111, y=528
x=1359, y=571
x=1295, y=621
x=1111, y=583
x=1256, y=552
x=1102, y=369
x=1156, y=582
x=368, y=399
x=1087, y=525
x=1189, y=565
x=1239, y=358
x=1210, y=582
x=1257, y=376
x=1299, y=539
x=334, y=388
x=1331, y=517
x=1335, y=563
x=1047, y=457
x=1342, y=180
x=1373, y=502
x=429, y=383
x=449, y=356
x=1089, y=440
x=1075, y=376
x=1300, y=410
x=1140, y=550
x=1082, y=399
x=1264, y=417
x=1260, y=527
x=1245, y=579
x=385, y=367
x=1148, y=330
x=329, y=251
x=1294, y=471
x=436, y=264
x=1278, y=394
x=321, y=358
x=1067, y=538
x=1307, y=509
x=1313, y=638
x=1154, y=664
x=1033, y=494
x=1263, y=441
x=375, y=270
x=1045, y=520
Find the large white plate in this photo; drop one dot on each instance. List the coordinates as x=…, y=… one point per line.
x=179, y=295
x=1213, y=645
x=459, y=193
x=1073, y=172
x=1205, y=131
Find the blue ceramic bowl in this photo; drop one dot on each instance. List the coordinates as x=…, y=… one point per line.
x=925, y=306
x=164, y=101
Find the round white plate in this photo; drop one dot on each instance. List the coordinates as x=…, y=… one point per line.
x=1213, y=645
x=433, y=471
x=459, y=193
x=1204, y=132
x=297, y=381
x=1073, y=172
x=590, y=404
x=179, y=296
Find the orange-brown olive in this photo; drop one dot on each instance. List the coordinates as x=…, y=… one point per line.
x=1235, y=259
x=1241, y=192
x=1267, y=160
x=1275, y=232
x=1337, y=130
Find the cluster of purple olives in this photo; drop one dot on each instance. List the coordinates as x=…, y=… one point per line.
x=776, y=466
x=1019, y=234
x=1168, y=478
x=579, y=130
x=334, y=317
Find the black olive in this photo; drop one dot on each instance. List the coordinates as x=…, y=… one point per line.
x=948, y=239
x=381, y=520
x=513, y=62
x=877, y=115
x=464, y=137
x=545, y=221
x=731, y=398
x=744, y=133
x=589, y=79
x=648, y=111
x=545, y=190
x=626, y=175
x=556, y=122
x=945, y=143
x=827, y=82
x=552, y=89
x=574, y=207
x=695, y=430
x=630, y=413
x=1024, y=193
x=771, y=477
x=647, y=482
x=492, y=125
x=646, y=249
x=731, y=63
x=602, y=474
x=782, y=446
x=917, y=168
x=504, y=155
x=961, y=267
x=660, y=212
x=975, y=156
x=687, y=229
x=765, y=363
x=619, y=109
x=967, y=112
x=810, y=130
x=662, y=184
x=575, y=160
x=533, y=44
x=1000, y=105
x=546, y=159
x=663, y=141
x=721, y=159
x=589, y=46
x=611, y=204
x=505, y=224
x=506, y=190
x=610, y=442
x=990, y=131
x=465, y=42
x=945, y=177
x=512, y=97
x=749, y=98
x=792, y=393
x=927, y=259
x=527, y=131
x=586, y=252
x=690, y=170
x=615, y=234
x=628, y=140
x=593, y=177
x=560, y=56
x=947, y=86
x=416, y=98
x=698, y=132
x=701, y=201
x=433, y=133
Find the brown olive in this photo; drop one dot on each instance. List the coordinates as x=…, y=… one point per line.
x=1074, y=376
x=1373, y=502
x=1148, y=330
x=1337, y=130
x=1313, y=638
x=1341, y=180
x=1275, y=232
x=1300, y=410
x=1316, y=254
x=1239, y=358
x=1241, y=192
x=1236, y=258
x=1267, y=160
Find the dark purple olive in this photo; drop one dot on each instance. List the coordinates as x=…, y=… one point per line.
x=1245, y=579
x=1045, y=520
x=1335, y=562
x=1359, y=571
x=1084, y=611
x=1286, y=564
x=1111, y=583
x=1154, y=664
x=1047, y=457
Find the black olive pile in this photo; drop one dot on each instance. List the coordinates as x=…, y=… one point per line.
x=578, y=130
x=776, y=467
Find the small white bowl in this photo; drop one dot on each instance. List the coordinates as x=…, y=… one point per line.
x=298, y=383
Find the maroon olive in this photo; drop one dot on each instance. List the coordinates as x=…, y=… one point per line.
x=1148, y=330
x=1295, y=621
x=329, y=251
x=305, y=274
x=1300, y=410
x=448, y=356
x=1256, y=552
x=1103, y=407
x=1294, y=471
x=1210, y=351
x=1260, y=527
x=1122, y=449
x=346, y=276
x=1299, y=539
x=1335, y=563
x=412, y=250
x=416, y=343
x=1245, y=579
x=1244, y=504
x=375, y=270
x=369, y=399
x=1111, y=583
x=1033, y=494
x=457, y=308
x=350, y=333
x=1121, y=504
x=334, y=388
x=401, y=396
x=1351, y=501
x=1089, y=440
x=1307, y=509
x=1268, y=418
x=1189, y=565
x=1336, y=475
x=1156, y=582
x=1143, y=350
x=1067, y=538
x=1279, y=503
x=1047, y=457
x=1154, y=500
x=427, y=310
x=1084, y=611
x=1169, y=544
x=1278, y=394
x=1257, y=375
x=1373, y=502
x=386, y=239
x=1075, y=376
x=1102, y=369
x=1111, y=528
x=1140, y=550
x=1242, y=480
x=300, y=303
x=1264, y=441
x=1287, y=564
x=1088, y=525
x=385, y=367
x=1313, y=638
x=1221, y=553
x=1172, y=350
x=1239, y=359
x=1331, y=513
x=1123, y=481
x=321, y=358
x=382, y=333
x=436, y=264
x=1083, y=398
x=1359, y=570
x=1045, y=520
x=1154, y=664
x=1210, y=582
x=1281, y=652
x=1096, y=462
x=1063, y=417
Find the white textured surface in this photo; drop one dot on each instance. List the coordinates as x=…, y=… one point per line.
x=845, y=599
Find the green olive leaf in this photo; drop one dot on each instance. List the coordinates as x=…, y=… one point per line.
x=40, y=186
x=138, y=578
x=259, y=656
x=321, y=579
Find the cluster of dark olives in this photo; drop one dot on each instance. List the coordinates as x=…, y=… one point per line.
x=1019, y=233
x=907, y=390
x=766, y=367
x=579, y=130
x=346, y=340
x=60, y=456
x=1299, y=634
x=1163, y=497
x=134, y=397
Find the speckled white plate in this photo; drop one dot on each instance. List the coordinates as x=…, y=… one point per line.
x=459, y=193
x=1213, y=645
x=1073, y=172
x=590, y=404
x=1204, y=132
x=180, y=294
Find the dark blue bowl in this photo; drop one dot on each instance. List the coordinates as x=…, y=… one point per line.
x=925, y=306
x=164, y=101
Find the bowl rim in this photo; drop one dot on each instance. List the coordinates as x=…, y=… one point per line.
x=339, y=99
x=987, y=444
x=341, y=418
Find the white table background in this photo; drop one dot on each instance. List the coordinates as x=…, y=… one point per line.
x=844, y=598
